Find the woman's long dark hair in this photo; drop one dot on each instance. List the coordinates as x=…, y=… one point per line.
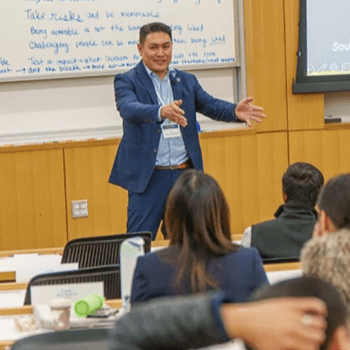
x=197, y=220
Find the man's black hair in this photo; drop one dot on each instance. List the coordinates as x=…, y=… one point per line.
x=154, y=27
x=301, y=184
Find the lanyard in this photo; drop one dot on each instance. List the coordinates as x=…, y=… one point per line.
x=160, y=98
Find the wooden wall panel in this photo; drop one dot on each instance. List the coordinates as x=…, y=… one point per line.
x=249, y=169
x=344, y=151
x=87, y=173
x=272, y=163
x=305, y=111
x=32, y=201
x=329, y=150
x=265, y=60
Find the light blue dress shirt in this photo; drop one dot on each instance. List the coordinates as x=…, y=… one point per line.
x=171, y=151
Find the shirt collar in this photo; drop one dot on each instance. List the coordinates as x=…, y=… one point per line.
x=294, y=206
x=171, y=70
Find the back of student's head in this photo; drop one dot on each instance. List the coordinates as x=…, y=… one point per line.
x=310, y=287
x=197, y=212
x=335, y=200
x=197, y=221
x=301, y=184
x=154, y=27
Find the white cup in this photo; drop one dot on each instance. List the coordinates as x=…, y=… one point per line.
x=60, y=313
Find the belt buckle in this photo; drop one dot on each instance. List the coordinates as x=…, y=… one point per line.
x=172, y=167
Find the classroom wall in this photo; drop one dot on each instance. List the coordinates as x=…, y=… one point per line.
x=40, y=181
x=32, y=200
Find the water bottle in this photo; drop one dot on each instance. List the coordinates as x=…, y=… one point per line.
x=130, y=250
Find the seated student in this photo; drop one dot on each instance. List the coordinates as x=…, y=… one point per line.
x=327, y=254
x=337, y=316
x=201, y=255
x=196, y=321
x=285, y=235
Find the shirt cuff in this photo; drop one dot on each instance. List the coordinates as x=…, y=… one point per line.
x=235, y=116
x=159, y=118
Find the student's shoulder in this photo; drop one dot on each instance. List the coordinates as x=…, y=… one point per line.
x=148, y=257
x=242, y=253
x=152, y=257
x=265, y=224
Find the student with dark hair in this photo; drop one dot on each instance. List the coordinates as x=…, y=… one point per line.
x=337, y=315
x=284, y=236
x=158, y=104
x=201, y=255
x=202, y=320
x=327, y=254
x=334, y=205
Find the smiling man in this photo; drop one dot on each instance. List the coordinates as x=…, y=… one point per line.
x=158, y=105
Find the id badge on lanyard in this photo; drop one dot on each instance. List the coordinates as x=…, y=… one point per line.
x=171, y=130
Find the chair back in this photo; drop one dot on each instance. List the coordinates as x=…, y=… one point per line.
x=109, y=275
x=80, y=339
x=279, y=260
x=99, y=250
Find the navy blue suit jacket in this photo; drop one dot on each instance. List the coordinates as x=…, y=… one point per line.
x=138, y=105
x=238, y=273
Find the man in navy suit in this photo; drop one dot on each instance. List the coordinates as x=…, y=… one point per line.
x=158, y=105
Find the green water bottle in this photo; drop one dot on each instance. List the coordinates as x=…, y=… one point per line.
x=88, y=305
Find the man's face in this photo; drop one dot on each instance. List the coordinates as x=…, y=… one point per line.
x=156, y=52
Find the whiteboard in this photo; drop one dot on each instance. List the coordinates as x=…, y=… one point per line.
x=45, y=39
x=36, y=112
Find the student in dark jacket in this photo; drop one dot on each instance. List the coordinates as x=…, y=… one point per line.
x=284, y=236
x=201, y=255
x=202, y=320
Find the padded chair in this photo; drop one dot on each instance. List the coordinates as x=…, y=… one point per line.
x=99, y=250
x=80, y=339
x=109, y=275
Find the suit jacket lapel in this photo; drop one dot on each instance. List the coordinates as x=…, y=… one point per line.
x=175, y=80
x=146, y=81
x=176, y=85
